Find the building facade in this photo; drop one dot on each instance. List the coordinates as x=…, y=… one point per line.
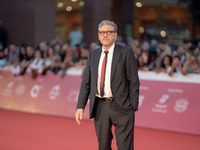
x=35, y=21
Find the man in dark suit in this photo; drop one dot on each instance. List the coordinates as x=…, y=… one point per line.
x=111, y=80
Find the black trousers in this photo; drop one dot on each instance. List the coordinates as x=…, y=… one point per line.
x=108, y=114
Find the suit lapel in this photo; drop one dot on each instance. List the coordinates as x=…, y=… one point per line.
x=115, y=59
x=96, y=62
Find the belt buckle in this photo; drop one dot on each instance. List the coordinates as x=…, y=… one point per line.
x=109, y=99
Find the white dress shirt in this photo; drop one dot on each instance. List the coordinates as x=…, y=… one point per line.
x=107, y=88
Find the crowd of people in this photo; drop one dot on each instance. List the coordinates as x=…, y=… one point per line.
x=54, y=57
x=157, y=56
x=57, y=57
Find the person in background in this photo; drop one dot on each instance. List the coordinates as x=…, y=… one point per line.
x=75, y=36
x=145, y=46
x=141, y=66
x=84, y=56
x=57, y=48
x=176, y=66
x=46, y=63
x=27, y=61
x=42, y=47
x=6, y=53
x=76, y=53
x=190, y=66
x=68, y=60
x=55, y=66
x=111, y=80
x=155, y=65
x=13, y=55
x=134, y=45
x=198, y=60
x=3, y=59
x=15, y=69
x=94, y=45
x=181, y=50
x=195, y=50
x=137, y=51
x=64, y=50
x=36, y=65
x=143, y=61
x=166, y=64
x=22, y=52
x=188, y=44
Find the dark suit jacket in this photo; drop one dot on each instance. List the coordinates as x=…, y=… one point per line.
x=124, y=79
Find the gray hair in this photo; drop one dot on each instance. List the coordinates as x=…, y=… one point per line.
x=108, y=22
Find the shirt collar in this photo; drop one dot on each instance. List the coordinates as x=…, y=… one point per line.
x=110, y=50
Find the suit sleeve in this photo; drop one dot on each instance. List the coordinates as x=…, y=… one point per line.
x=85, y=86
x=133, y=79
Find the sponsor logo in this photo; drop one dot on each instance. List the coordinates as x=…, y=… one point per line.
x=20, y=89
x=35, y=91
x=161, y=106
x=175, y=90
x=8, y=90
x=181, y=105
x=55, y=92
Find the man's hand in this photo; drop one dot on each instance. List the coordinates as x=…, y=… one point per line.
x=79, y=116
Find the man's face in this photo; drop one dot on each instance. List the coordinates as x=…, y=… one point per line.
x=107, y=36
x=176, y=61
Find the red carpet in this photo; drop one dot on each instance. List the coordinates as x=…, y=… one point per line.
x=23, y=131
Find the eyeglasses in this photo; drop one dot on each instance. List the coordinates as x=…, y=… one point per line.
x=108, y=33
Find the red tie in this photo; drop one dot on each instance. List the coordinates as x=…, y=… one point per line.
x=103, y=72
